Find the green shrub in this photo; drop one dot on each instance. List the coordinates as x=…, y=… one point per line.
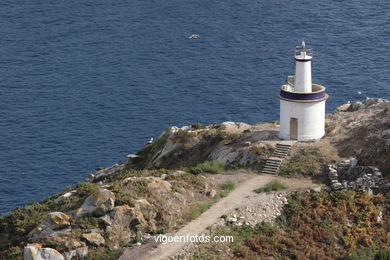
x=199, y=209
x=85, y=188
x=229, y=185
x=226, y=188
x=306, y=162
x=215, y=166
x=383, y=254
x=271, y=186
x=197, y=126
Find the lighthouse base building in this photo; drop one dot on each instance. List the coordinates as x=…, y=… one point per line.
x=302, y=104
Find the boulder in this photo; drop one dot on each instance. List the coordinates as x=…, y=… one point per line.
x=337, y=186
x=343, y=107
x=146, y=209
x=108, y=171
x=126, y=219
x=97, y=204
x=94, y=239
x=373, y=101
x=119, y=230
x=76, y=249
x=36, y=252
x=385, y=133
x=160, y=186
x=55, y=223
x=66, y=195
x=355, y=106
x=211, y=193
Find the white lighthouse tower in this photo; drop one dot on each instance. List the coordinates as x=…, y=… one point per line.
x=302, y=104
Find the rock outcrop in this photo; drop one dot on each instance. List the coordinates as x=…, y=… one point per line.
x=55, y=223
x=94, y=239
x=36, y=252
x=97, y=204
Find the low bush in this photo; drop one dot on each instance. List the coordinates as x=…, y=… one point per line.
x=226, y=188
x=271, y=186
x=199, y=209
x=215, y=166
x=305, y=162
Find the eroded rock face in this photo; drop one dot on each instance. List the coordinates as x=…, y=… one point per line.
x=36, y=252
x=126, y=221
x=55, y=223
x=97, y=204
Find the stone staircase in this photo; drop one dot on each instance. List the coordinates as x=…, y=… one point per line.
x=275, y=160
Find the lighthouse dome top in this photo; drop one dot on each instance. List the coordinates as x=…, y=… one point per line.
x=303, y=53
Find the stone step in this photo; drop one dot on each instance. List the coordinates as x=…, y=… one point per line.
x=287, y=145
x=274, y=160
x=268, y=172
x=282, y=150
x=271, y=167
x=280, y=153
x=274, y=163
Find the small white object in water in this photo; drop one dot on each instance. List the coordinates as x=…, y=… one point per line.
x=194, y=36
x=359, y=92
x=151, y=140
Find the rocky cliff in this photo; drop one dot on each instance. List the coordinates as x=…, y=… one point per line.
x=165, y=184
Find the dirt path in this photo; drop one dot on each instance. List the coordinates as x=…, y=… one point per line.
x=151, y=250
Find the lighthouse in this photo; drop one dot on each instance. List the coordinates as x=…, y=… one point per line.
x=302, y=103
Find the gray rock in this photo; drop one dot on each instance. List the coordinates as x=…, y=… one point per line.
x=316, y=189
x=355, y=106
x=211, y=193
x=337, y=186
x=343, y=107
x=94, y=239
x=55, y=223
x=385, y=133
x=36, y=252
x=108, y=171
x=97, y=204
x=66, y=195
x=353, y=163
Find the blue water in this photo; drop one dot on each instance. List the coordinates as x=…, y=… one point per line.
x=83, y=83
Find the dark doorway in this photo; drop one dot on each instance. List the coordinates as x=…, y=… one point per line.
x=293, y=128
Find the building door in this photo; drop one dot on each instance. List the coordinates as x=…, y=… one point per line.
x=293, y=128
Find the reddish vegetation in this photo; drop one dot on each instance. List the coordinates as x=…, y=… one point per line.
x=323, y=226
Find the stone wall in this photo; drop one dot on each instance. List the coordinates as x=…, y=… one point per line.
x=348, y=175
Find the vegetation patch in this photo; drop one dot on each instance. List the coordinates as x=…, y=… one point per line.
x=338, y=225
x=273, y=185
x=306, y=162
x=215, y=166
x=195, y=212
x=226, y=188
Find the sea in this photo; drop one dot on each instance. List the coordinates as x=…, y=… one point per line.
x=84, y=83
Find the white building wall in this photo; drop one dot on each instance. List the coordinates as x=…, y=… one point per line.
x=311, y=119
x=303, y=76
